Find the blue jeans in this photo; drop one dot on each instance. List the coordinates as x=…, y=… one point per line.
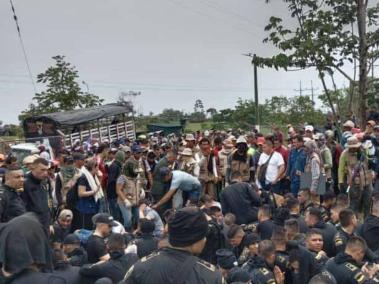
x=114, y=209
x=130, y=215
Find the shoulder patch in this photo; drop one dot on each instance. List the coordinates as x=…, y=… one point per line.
x=351, y=267
x=271, y=281
x=359, y=277
x=207, y=265
x=264, y=271
x=146, y=258
x=338, y=242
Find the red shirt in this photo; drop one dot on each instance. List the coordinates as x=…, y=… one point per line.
x=284, y=152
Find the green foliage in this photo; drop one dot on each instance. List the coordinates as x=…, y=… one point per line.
x=63, y=92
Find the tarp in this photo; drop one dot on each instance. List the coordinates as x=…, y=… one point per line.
x=80, y=116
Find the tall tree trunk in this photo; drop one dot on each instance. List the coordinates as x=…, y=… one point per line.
x=363, y=50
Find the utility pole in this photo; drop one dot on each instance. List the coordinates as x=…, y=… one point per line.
x=312, y=90
x=256, y=97
x=301, y=90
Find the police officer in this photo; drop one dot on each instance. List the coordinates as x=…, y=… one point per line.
x=346, y=266
x=116, y=267
x=11, y=204
x=226, y=261
x=261, y=267
x=348, y=222
x=177, y=264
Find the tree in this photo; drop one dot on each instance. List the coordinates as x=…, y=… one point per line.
x=127, y=99
x=63, y=92
x=199, y=106
x=212, y=111
x=324, y=39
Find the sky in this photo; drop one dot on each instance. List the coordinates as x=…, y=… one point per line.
x=172, y=51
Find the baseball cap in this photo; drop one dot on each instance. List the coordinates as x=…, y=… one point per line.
x=348, y=123
x=164, y=171
x=71, y=239
x=136, y=149
x=104, y=218
x=309, y=128
x=261, y=140
x=78, y=156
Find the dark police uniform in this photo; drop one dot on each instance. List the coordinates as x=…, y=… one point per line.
x=259, y=271
x=11, y=204
x=340, y=240
x=165, y=266
x=263, y=276
x=345, y=270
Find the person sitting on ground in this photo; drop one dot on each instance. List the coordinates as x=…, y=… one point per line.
x=96, y=247
x=64, y=269
x=145, y=241
x=61, y=228
x=76, y=255
x=118, y=264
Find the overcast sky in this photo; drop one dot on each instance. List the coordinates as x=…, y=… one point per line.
x=173, y=51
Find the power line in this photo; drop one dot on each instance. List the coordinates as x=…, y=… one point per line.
x=23, y=46
x=231, y=13
x=201, y=13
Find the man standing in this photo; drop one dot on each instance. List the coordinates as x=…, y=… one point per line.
x=36, y=193
x=177, y=263
x=11, y=204
x=296, y=163
x=240, y=161
x=114, y=171
x=271, y=168
x=353, y=173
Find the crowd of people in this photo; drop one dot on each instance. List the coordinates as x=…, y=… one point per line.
x=296, y=206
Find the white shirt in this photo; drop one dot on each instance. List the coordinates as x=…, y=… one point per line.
x=273, y=166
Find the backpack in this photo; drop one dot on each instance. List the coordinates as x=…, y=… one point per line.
x=262, y=171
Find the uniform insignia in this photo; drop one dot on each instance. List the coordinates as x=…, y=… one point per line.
x=360, y=277
x=271, y=281
x=264, y=271
x=351, y=267
x=145, y=258
x=338, y=241
x=207, y=265
x=130, y=271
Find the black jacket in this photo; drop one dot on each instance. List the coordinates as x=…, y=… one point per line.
x=68, y=272
x=165, y=267
x=370, y=232
x=11, y=204
x=328, y=232
x=259, y=270
x=215, y=241
x=146, y=244
x=32, y=277
x=35, y=197
x=78, y=257
x=114, y=269
x=345, y=270
x=114, y=172
x=241, y=200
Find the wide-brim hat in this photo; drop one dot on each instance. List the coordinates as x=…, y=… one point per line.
x=352, y=142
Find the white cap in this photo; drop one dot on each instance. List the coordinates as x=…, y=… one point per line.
x=349, y=124
x=241, y=139
x=309, y=128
